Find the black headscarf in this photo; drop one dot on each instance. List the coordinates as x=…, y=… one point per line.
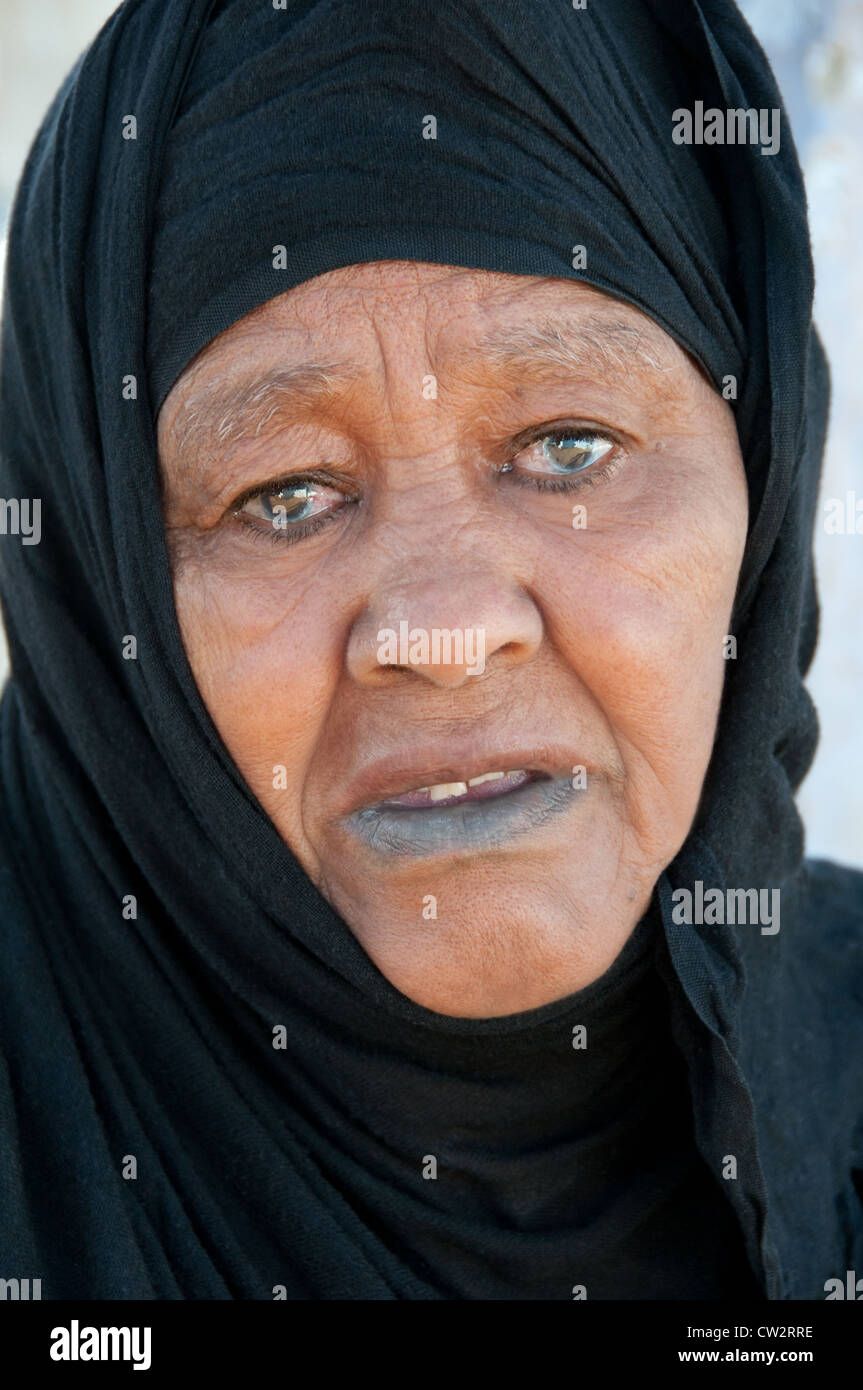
x=302, y=127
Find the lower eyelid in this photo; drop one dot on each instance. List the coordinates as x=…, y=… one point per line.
x=555, y=482
x=277, y=536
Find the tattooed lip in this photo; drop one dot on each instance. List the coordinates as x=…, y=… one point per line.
x=483, y=816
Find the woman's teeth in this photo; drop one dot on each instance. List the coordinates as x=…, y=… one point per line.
x=443, y=789
x=452, y=792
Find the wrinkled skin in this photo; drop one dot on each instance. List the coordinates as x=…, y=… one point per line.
x=603, y=638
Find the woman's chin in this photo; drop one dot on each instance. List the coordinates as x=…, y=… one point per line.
x=488, y=938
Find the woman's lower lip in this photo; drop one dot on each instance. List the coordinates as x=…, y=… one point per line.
x=469, y=825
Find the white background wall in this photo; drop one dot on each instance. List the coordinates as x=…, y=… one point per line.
x=816, y=48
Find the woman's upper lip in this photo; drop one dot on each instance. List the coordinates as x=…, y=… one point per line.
x=398, y=772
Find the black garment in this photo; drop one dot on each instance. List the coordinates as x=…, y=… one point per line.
x=152, y=1037
x=588, y=1183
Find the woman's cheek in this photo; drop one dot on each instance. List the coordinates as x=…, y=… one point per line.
x=255, y=668
x=640, y=614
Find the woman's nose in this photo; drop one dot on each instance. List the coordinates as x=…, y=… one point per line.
x=444, y=627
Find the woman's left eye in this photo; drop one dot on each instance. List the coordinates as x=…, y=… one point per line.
x=558, y=455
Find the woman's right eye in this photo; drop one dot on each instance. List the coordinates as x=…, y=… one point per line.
x=283, y=507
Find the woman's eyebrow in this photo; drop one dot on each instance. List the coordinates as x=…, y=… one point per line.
x=227, y=410
x=582, y=345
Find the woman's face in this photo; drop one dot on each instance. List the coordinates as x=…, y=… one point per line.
x=429, y=524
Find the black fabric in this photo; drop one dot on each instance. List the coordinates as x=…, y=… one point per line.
x=587, y=1183
x=258, y=1167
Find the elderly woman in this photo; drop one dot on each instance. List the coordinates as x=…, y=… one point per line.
x=404, y=895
